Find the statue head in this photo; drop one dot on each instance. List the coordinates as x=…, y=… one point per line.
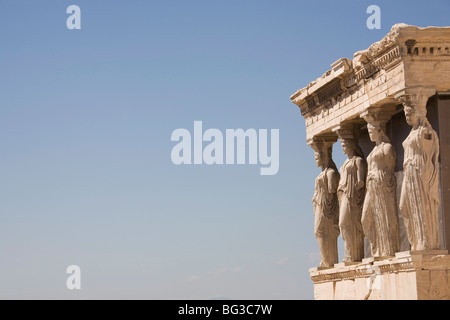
x=377, y=131
x=416, y=115
x=376, y=118
x=414, y=103
x=323, y=152
x=348, y=134
x=320, y=154
x=350, y=147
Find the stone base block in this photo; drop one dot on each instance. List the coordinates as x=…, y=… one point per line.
x=410, y=275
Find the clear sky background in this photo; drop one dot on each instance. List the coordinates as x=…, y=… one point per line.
x=86, y=117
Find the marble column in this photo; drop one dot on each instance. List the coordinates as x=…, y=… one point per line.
x=351, y=192
x=325, y=201
x=380, y=217
x=419, y=200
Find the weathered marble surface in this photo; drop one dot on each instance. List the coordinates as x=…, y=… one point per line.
x=326, y=208
x=351, y=191
x=419, y=200
x=380, y=218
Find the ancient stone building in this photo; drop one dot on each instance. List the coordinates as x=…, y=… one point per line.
x=389, y=107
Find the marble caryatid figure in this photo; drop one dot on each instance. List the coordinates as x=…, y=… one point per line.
x=419, y=200
x=326, y=207
x=380, y=217
x=351, y=193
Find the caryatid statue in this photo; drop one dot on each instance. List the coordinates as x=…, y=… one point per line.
x=380, y=217
x=419, y=200
x=325, y=201
x=351, y=191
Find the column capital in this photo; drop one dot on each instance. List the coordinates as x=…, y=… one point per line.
x=378, y=115
x=346, y=130
x=415, y=97
x=327, y=140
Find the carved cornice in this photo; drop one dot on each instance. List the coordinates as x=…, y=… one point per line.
x=324, y=89
x=403, y=43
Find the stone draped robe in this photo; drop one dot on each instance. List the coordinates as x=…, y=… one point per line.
x=326, y=216
x=380, y=218
x=419, y=200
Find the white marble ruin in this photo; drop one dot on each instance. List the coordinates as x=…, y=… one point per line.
x=354, y=102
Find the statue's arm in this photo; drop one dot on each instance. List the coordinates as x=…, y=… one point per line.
x=333, y=181
x=430, y=172
x=390, y=155
x=361, y=173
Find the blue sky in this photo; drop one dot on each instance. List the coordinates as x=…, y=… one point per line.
x=86, y=118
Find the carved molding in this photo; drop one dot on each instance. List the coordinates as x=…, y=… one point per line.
x=371, y=77
x=378, y=115
x=327, y=140
x=410, y=262
x=415, y=97
x=348, y=130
